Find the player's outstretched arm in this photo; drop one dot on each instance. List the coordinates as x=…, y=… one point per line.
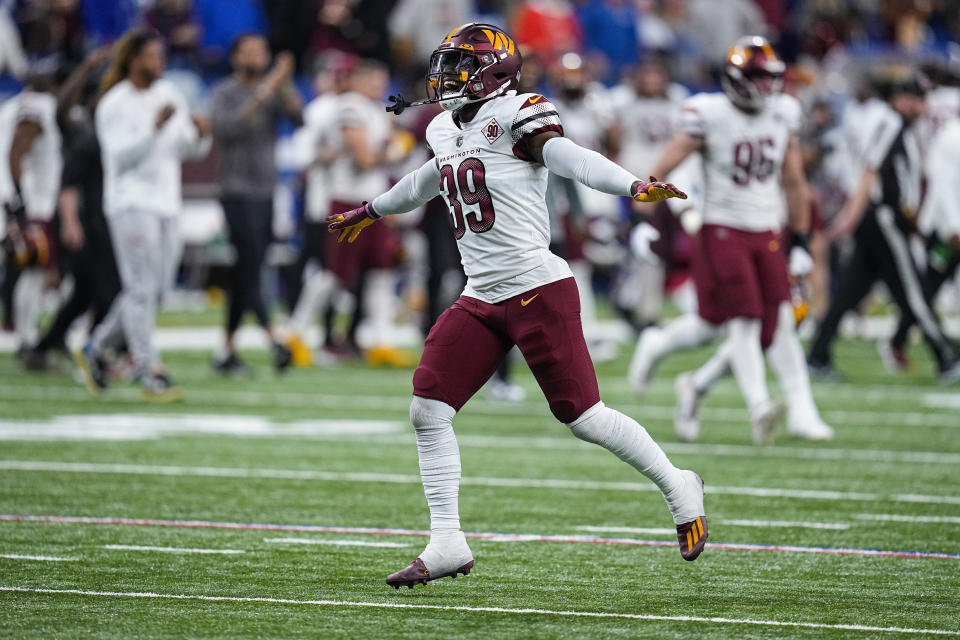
x=565, y=158
x=413, y=190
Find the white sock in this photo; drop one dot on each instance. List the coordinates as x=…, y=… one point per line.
x=378, y=305
x=656, y=343
x=713, y=369
x=313, y=298
x=746, y=360
x=787, y=361
x=27, y=298
x=440, y=472
x=625, y=438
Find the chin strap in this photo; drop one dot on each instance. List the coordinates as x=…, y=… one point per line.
x=400, y=103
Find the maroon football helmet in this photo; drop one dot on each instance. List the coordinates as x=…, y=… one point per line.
x=476, y=61
x=752, y=73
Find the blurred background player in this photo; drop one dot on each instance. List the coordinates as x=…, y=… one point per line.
x=246, y=109
x=881, y=214
x=35, y=163
x=83, y=234
x=939, y=217
x=361, y=170
x=752, y=166
x=316, y=150
x=145, y=132
x=646, y=104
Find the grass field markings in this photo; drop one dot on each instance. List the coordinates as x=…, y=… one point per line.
x=476, y=535
x=477, y=406
x=338, y=543
x=137, y=547
x=146, y=426
x=763, y=524
x=470, y=609
x=400, y=478
x=644, y=531
x=17, y=556
x=895, y=517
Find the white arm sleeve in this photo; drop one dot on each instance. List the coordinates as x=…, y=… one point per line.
x=565, y=158
x=413, y=190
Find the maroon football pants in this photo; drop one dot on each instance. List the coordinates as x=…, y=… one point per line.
x=471, y=338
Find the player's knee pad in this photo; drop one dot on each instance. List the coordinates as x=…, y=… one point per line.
x=426, y=414
x=593, y=425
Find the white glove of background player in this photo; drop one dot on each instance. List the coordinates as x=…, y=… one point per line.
x=800, y=262
x=641, y=239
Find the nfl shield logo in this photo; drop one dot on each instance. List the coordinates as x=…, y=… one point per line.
x=492, y=131
x=459, y=141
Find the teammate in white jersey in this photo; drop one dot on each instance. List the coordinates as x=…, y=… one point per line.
x=35, y=167
x=747, y=138
x=493, y=150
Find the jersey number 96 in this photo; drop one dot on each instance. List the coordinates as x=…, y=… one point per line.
x=751, y=161
x=468, y=187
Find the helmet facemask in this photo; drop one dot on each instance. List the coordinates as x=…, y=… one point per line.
x=455, y=78
x=750, y=89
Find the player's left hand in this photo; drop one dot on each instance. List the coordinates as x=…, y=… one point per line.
x=800, y=262
x=351, y=223
x=655, y=191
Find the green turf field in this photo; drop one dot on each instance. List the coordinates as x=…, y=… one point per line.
x=329, y=457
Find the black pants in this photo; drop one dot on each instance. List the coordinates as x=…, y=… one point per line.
x=96, y=282
x=931, y=281
x=249, y=222
x=882, y=253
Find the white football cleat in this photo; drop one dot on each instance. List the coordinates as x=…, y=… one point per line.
x=686, y=507
x=686, y=415
x=816, y=430
x=764, y=420
x=643, y=363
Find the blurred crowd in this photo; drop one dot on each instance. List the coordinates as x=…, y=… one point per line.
x=292, y=94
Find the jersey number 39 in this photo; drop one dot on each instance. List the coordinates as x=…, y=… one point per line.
x=468, y=187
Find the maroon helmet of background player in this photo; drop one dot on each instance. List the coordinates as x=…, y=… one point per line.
x=752, y=73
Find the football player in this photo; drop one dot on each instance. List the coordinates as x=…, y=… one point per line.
x=493, y=149
x=751, y=165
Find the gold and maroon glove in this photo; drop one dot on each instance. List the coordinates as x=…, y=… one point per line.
x=654, y=191
x=351, y=223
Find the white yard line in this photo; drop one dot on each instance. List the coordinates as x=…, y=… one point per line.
x=893, y=517
x=478, y=406
x=398, y=478
x=135, y=547
x=337, y=543
x=787, y=524
x=499, y=610
x=643, y=531
x=17, y=556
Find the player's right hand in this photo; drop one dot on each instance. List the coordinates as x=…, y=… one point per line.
x=165, y=114
x=351, y=223
x=655, y=191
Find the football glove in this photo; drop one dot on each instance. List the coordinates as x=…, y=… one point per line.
x=654, y=191
x=351, y=223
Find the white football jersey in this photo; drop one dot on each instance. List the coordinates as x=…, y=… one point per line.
x=347, y=183
x=319, y=124
x=646, y=125
x=940, y=213
x=43, y=164
x=742, y=158
x=586, y=122
x=496, y=194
